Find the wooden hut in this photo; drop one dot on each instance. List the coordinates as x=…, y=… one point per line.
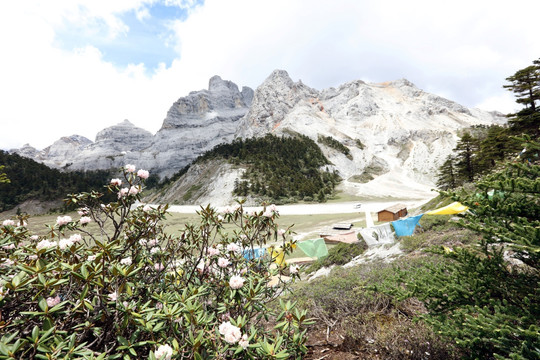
x=392, y=213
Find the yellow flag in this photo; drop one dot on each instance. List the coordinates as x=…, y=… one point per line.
x=453, y=208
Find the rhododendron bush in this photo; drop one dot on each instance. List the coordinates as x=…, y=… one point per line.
x=131, y=291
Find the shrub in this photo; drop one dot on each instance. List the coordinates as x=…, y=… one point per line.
x=135, y=292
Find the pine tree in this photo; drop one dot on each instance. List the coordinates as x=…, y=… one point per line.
x=466, y=164
x=487, y=297
x=525, y=84
x=447, y=177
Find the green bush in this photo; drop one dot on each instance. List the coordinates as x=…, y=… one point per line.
x=135, y=292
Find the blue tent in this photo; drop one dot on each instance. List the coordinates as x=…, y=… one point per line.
x=255, y=253
x=405, y=227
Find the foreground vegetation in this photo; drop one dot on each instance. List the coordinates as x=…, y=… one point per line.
x=130, y=291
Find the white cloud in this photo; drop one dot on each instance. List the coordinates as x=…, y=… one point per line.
x=462, y=50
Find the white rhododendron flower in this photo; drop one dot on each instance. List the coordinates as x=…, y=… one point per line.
x=116, y=182
x=233, y=247
x=222, y=262
x=63, y=220
x=212, y=251
x=134, y=190
x=231, y=333
x=163, y=352
x=91, y=258
x=143, y=174
x=123, y=192
x=85, y=220
x=8, y=222
x=45, y=244
x=293, y=269
x=129, y=168
x=65, y=244
x=244, y=343
x=126, y=261
x=236, y=282
x=113, y=296
x=53, y=301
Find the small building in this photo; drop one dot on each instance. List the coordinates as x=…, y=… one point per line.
x=392, y=213
x=342, y=226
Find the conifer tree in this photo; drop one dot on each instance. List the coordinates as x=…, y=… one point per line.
x=525, y=84
x=487, y=298
x=466, y=164
x=447, y=177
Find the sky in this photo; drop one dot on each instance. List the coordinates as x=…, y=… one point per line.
x=78, y=66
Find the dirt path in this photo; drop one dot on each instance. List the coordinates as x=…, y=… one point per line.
x=312, y=209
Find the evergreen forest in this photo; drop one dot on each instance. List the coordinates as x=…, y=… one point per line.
x=279, y=168
x=28, y=179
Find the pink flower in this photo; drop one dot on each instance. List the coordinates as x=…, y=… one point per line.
x=268, y=213
x=116, y=182
x=153, y=242
x=91, y=258
x=159, y=306
x=129, y=168
x=222, y=262
x=34, y=237
x=8, y=247
x=32, y=257
x=244, y=343
x=281, y=232
x=51, y=302
x=8, y=222
x=236, y=282
x=164, y=352
x=159, y=266
x=143, y=242
x=63, y=220
x=113, y=296
x=143, y=174
x=126, y=261
x=85, y=220
x=134, y=190
x=154, y=250
x=83, y=211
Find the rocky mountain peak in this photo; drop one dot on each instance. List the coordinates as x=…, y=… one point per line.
x=124, y=136
x=272, y=101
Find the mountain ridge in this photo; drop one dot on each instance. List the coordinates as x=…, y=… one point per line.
x=405, y=133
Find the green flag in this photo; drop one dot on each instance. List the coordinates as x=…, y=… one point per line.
x=314, y=248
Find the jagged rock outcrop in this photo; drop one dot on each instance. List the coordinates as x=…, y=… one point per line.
x=397, y=134
x=272, y=101
x=196, y=123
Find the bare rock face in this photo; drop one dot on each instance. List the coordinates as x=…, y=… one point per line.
x=272, y=101
x=196, y=123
